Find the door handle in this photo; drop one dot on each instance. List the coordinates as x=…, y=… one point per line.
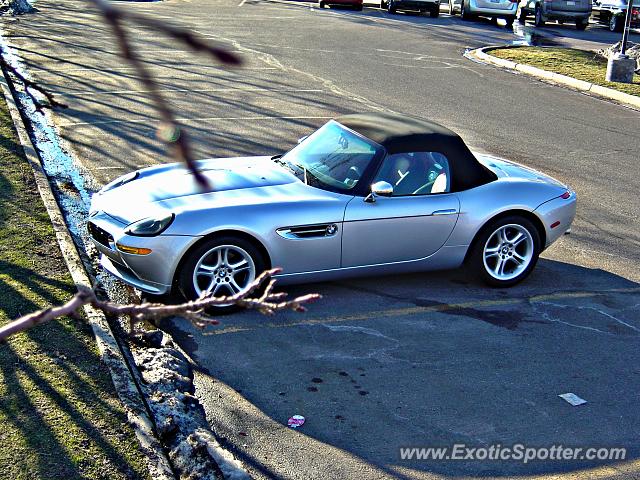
x=450, y=211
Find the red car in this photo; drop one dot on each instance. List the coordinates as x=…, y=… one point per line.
x=356, y=4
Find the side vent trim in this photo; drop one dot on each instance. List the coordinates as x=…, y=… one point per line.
x=306, y=232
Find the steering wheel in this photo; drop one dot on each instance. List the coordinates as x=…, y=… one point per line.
x=426, y=188
x=353, y=175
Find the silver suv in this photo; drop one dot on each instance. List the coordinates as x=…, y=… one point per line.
x=577, y=11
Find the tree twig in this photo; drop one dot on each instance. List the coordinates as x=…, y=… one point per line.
x=195, y=311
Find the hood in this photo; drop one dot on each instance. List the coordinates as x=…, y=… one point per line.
x=158, y=188
x=506, y=169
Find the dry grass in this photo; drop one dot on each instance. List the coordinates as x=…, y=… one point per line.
x=578, y=64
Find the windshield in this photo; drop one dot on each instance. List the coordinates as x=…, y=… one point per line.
x=333, y=157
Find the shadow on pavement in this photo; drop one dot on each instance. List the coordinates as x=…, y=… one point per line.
x=428, y=360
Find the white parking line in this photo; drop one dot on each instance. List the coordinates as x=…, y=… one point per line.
x=200, y=119
x=189, y=90
x=109, y=70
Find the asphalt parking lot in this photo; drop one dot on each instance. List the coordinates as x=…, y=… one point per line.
x=414, y=360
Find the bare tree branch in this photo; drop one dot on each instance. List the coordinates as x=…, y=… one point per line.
x=195, y=311
x=168, y=131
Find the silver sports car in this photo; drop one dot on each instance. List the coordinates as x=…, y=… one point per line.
x=366, y=194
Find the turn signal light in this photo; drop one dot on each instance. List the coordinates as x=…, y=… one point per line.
x=566, y=195
x=133, y=250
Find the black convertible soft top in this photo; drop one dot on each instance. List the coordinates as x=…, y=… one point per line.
x=403, y=133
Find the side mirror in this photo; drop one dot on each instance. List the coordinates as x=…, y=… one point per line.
x=382, y=188
x=302, y=139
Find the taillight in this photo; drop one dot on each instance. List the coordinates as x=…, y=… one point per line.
x=635, y=12
x=565, y=195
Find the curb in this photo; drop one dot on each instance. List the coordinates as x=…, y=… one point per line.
x=110, y=353
x=580, y=85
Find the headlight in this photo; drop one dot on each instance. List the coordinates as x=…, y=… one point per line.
x=121, y=181
x=150, y=227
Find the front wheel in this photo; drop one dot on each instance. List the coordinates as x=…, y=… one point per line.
x=391, y=7
x=383, y=4
x=582, y=24
x=509, y=22
x=506, y=251
x=220, y=267
x=434, y=12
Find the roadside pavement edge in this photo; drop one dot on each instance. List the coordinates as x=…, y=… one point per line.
x=481, y=55
x=110, y=353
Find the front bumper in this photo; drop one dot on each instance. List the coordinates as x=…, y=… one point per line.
x=152, y=273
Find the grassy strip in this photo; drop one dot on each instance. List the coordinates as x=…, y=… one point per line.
x=578, y=64
x=60, y=417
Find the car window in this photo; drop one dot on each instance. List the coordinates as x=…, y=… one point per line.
x=416, y=173
x=333, y=157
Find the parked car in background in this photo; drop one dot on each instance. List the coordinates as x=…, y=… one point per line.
x=613, y=13
x=469, y=9
x=422, y=6
x=576, y=11
x=356, y=4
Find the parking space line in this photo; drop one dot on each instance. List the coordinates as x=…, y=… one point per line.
x=199, y=119
x=408, y=311
x=189, y=90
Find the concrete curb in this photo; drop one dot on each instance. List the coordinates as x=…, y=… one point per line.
x=609, y=93
x=110, y=353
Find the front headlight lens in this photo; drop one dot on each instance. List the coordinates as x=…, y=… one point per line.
x=149, y=227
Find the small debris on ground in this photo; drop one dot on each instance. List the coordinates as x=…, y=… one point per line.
x=296, y=421
x=572, y=398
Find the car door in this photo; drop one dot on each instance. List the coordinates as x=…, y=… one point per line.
x=407, y=226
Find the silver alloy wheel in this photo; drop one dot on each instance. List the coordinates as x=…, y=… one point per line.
x=508, y=252
x=224, y=270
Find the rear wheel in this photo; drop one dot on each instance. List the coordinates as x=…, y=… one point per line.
x=464, y=12
x=321, y=5
x=582, y=24
x=539, y=21
x=221, y=267
x=435, y=12
x=383, y=4
x=358, y=7
x=391, y=6
x=509, y=21
x=616, y=23
x=505, y=251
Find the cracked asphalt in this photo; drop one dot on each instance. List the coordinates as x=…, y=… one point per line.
x=413, y=360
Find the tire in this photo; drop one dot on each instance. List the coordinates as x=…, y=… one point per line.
x=464, y=13
x=509, y=21
x=434, y=12
x=451, y=10
x=522, y=16
x=358, y=8
x=616, y=23
x=495, y=260
x=539, y=21
x=581, y=24
x=391, y=7
x=205, y=254
x=321, y=5
x=383, y=4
